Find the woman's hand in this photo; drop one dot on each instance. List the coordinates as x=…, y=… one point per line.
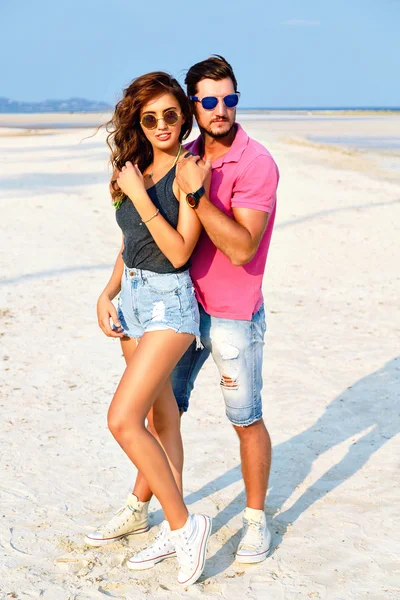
x=130, y=180
x=105, y=312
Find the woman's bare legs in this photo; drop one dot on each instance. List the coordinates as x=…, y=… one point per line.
x=142, y=382
x=165, y=430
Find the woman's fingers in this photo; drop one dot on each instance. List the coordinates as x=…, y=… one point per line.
x=128, y=166
x=116, y=330
x=105, y=327
x=114, y=317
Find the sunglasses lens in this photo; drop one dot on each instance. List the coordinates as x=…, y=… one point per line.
x=171, y=117
x=231, y=100
x=209, y=103
x=149, y=121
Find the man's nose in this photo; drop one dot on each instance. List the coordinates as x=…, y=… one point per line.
x=221, y=107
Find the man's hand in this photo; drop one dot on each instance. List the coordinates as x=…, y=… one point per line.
x=105, y=312
x=130, y=181
x=192, y=173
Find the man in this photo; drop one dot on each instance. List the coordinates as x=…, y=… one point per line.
x=227, y=270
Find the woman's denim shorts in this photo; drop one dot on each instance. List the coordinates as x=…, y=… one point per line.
x=152, y=301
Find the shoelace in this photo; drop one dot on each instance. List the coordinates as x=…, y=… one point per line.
x=115, y=521
x=183, y=551
x=161, y=537
x=253, y=533
x=159, y=541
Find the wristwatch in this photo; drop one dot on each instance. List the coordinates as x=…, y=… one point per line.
x=193, y=199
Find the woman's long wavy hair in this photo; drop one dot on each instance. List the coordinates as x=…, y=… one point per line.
x=126, y=139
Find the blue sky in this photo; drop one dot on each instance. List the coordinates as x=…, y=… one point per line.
x=285, y=53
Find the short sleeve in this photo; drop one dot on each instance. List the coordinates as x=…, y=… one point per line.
x=256, y=186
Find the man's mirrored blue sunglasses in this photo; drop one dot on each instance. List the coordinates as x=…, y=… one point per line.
x=210, y=102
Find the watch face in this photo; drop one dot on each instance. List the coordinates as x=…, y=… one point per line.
x=191, y=200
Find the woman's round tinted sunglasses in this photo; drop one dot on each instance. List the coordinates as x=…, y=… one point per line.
x=170, y=117
x=210, y=102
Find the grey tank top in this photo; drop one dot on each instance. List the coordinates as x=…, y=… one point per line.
x=140, y=250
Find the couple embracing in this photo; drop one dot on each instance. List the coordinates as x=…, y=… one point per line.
x=196, y=226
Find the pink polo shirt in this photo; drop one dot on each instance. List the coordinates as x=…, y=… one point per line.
x=246, y=177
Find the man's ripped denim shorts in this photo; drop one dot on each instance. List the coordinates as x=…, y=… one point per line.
x=237, y=350
x=152, y=301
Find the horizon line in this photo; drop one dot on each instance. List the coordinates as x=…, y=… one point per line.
x=240, y=109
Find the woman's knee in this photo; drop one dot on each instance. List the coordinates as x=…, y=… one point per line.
x=123, y=426
x=115, y=423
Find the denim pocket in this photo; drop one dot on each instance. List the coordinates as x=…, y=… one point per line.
x=163, y=284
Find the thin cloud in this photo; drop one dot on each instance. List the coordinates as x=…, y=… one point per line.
x=302, y=23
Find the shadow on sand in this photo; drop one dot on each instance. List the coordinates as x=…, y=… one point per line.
x=366, y=409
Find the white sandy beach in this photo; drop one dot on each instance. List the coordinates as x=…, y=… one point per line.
x=331, y=382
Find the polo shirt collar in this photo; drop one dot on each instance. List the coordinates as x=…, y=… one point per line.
x=234, y=153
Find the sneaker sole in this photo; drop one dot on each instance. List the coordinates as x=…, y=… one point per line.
x=95, y=542
x=202, y=555
x=256, y=558
x=148, y=564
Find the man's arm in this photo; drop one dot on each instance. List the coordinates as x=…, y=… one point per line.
x=239, y=237
x=253, y=199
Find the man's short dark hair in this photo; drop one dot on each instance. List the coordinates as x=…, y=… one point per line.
x=215, y=67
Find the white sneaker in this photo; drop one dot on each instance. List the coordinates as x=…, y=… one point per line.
x=191, y=546
x=256, y=540
x=129, y=520
x=160, y=549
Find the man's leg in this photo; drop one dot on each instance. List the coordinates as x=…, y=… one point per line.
x=237, y=349
x=255, y=454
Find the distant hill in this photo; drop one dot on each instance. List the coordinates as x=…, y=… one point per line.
x=53, y=106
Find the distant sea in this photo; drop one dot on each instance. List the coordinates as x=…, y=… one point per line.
x=313, y=114
x=305, y=115
x=364, y=143
x=246, y=115
x=302, y=109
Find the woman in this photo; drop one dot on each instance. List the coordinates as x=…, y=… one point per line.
x=157, y=303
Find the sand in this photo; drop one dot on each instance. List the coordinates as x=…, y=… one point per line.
x=331, y=389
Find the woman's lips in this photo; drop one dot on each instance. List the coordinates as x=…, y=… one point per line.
x=163, y=136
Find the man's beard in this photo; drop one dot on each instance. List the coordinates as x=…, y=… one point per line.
x=217, y=136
